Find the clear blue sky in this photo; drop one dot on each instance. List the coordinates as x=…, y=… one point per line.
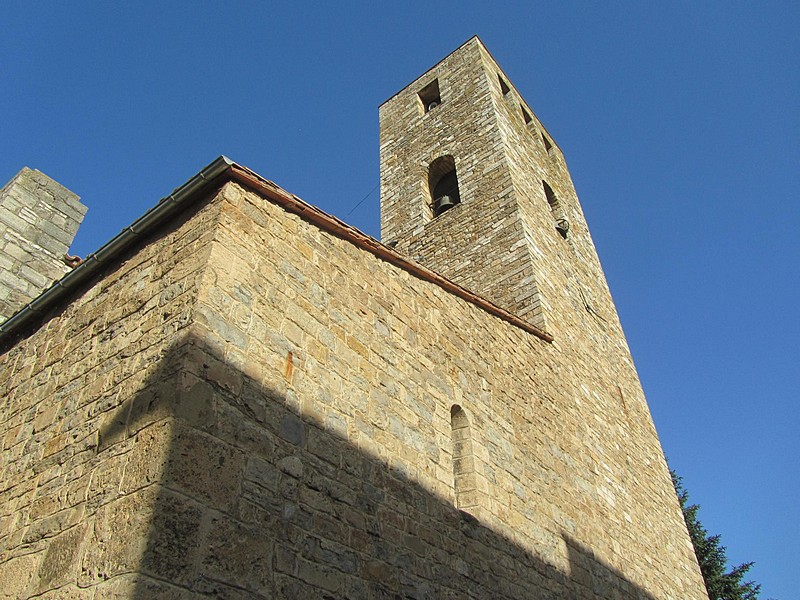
x=679, y=121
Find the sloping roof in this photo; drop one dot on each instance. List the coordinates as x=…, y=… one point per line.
x=214, y=175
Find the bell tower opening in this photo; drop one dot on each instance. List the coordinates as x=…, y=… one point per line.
x=443, y=185
x=430, y=97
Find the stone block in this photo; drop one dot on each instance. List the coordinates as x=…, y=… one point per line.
x=16, y=575
x=60, y=563
x=204, y=468
x=320, y=576
x=147, y=462
x=292, y=429
x=218, y=325
x=150, y=531
x=188, y=399
x=238, y=554
x=12, y=221
x=118, y=537
x=127, y=587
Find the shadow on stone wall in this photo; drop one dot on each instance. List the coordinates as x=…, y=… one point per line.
x=231, y=493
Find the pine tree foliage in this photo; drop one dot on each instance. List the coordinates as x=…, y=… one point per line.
x=721, y=584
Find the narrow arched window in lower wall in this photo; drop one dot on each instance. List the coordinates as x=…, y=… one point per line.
x=463, y=460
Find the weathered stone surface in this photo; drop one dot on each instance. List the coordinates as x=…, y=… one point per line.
x=146, y=464
x=137, y=586
x=60, y=562
x=16, y=575
x=239, y=555
x=69, y=592
x=38, y=220
x=204, y=468
x=118, y=537
x=151, y=531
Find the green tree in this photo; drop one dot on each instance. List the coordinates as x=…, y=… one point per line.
x=721, y=584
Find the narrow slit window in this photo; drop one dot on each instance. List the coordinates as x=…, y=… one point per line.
x=526, y=116
x=562, y=224
x=547, y=144
x=430, y=96
x=463, y=460
x=551, y=196
x=503, y=85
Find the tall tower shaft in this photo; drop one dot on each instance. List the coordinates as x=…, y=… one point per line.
x=475, y=188
x=513, y=231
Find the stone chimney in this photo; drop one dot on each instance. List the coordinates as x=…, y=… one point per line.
x=38, y=221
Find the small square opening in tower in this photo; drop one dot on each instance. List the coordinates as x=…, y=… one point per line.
x=430, y=96
x=503, y=85
x=547, y=144
x=526, y=116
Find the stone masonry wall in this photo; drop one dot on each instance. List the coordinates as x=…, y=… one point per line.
x=250, y=407
x=68, y=453
x=569, y=274
x=38, y=221
x=360, y=364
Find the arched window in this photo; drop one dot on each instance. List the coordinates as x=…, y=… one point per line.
x=443, y=184
x=463, y=460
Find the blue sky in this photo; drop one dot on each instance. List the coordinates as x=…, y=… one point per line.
x=679, y=121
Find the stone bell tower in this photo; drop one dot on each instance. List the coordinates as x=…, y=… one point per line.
x=473, y=187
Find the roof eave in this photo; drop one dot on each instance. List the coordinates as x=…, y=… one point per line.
x=225, y=169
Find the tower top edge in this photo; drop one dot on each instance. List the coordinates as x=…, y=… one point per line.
x=473, y=40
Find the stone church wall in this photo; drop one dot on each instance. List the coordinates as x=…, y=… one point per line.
x=251, y=407
x=67, y=444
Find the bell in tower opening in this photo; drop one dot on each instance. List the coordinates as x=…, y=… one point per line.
x=443, y=185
